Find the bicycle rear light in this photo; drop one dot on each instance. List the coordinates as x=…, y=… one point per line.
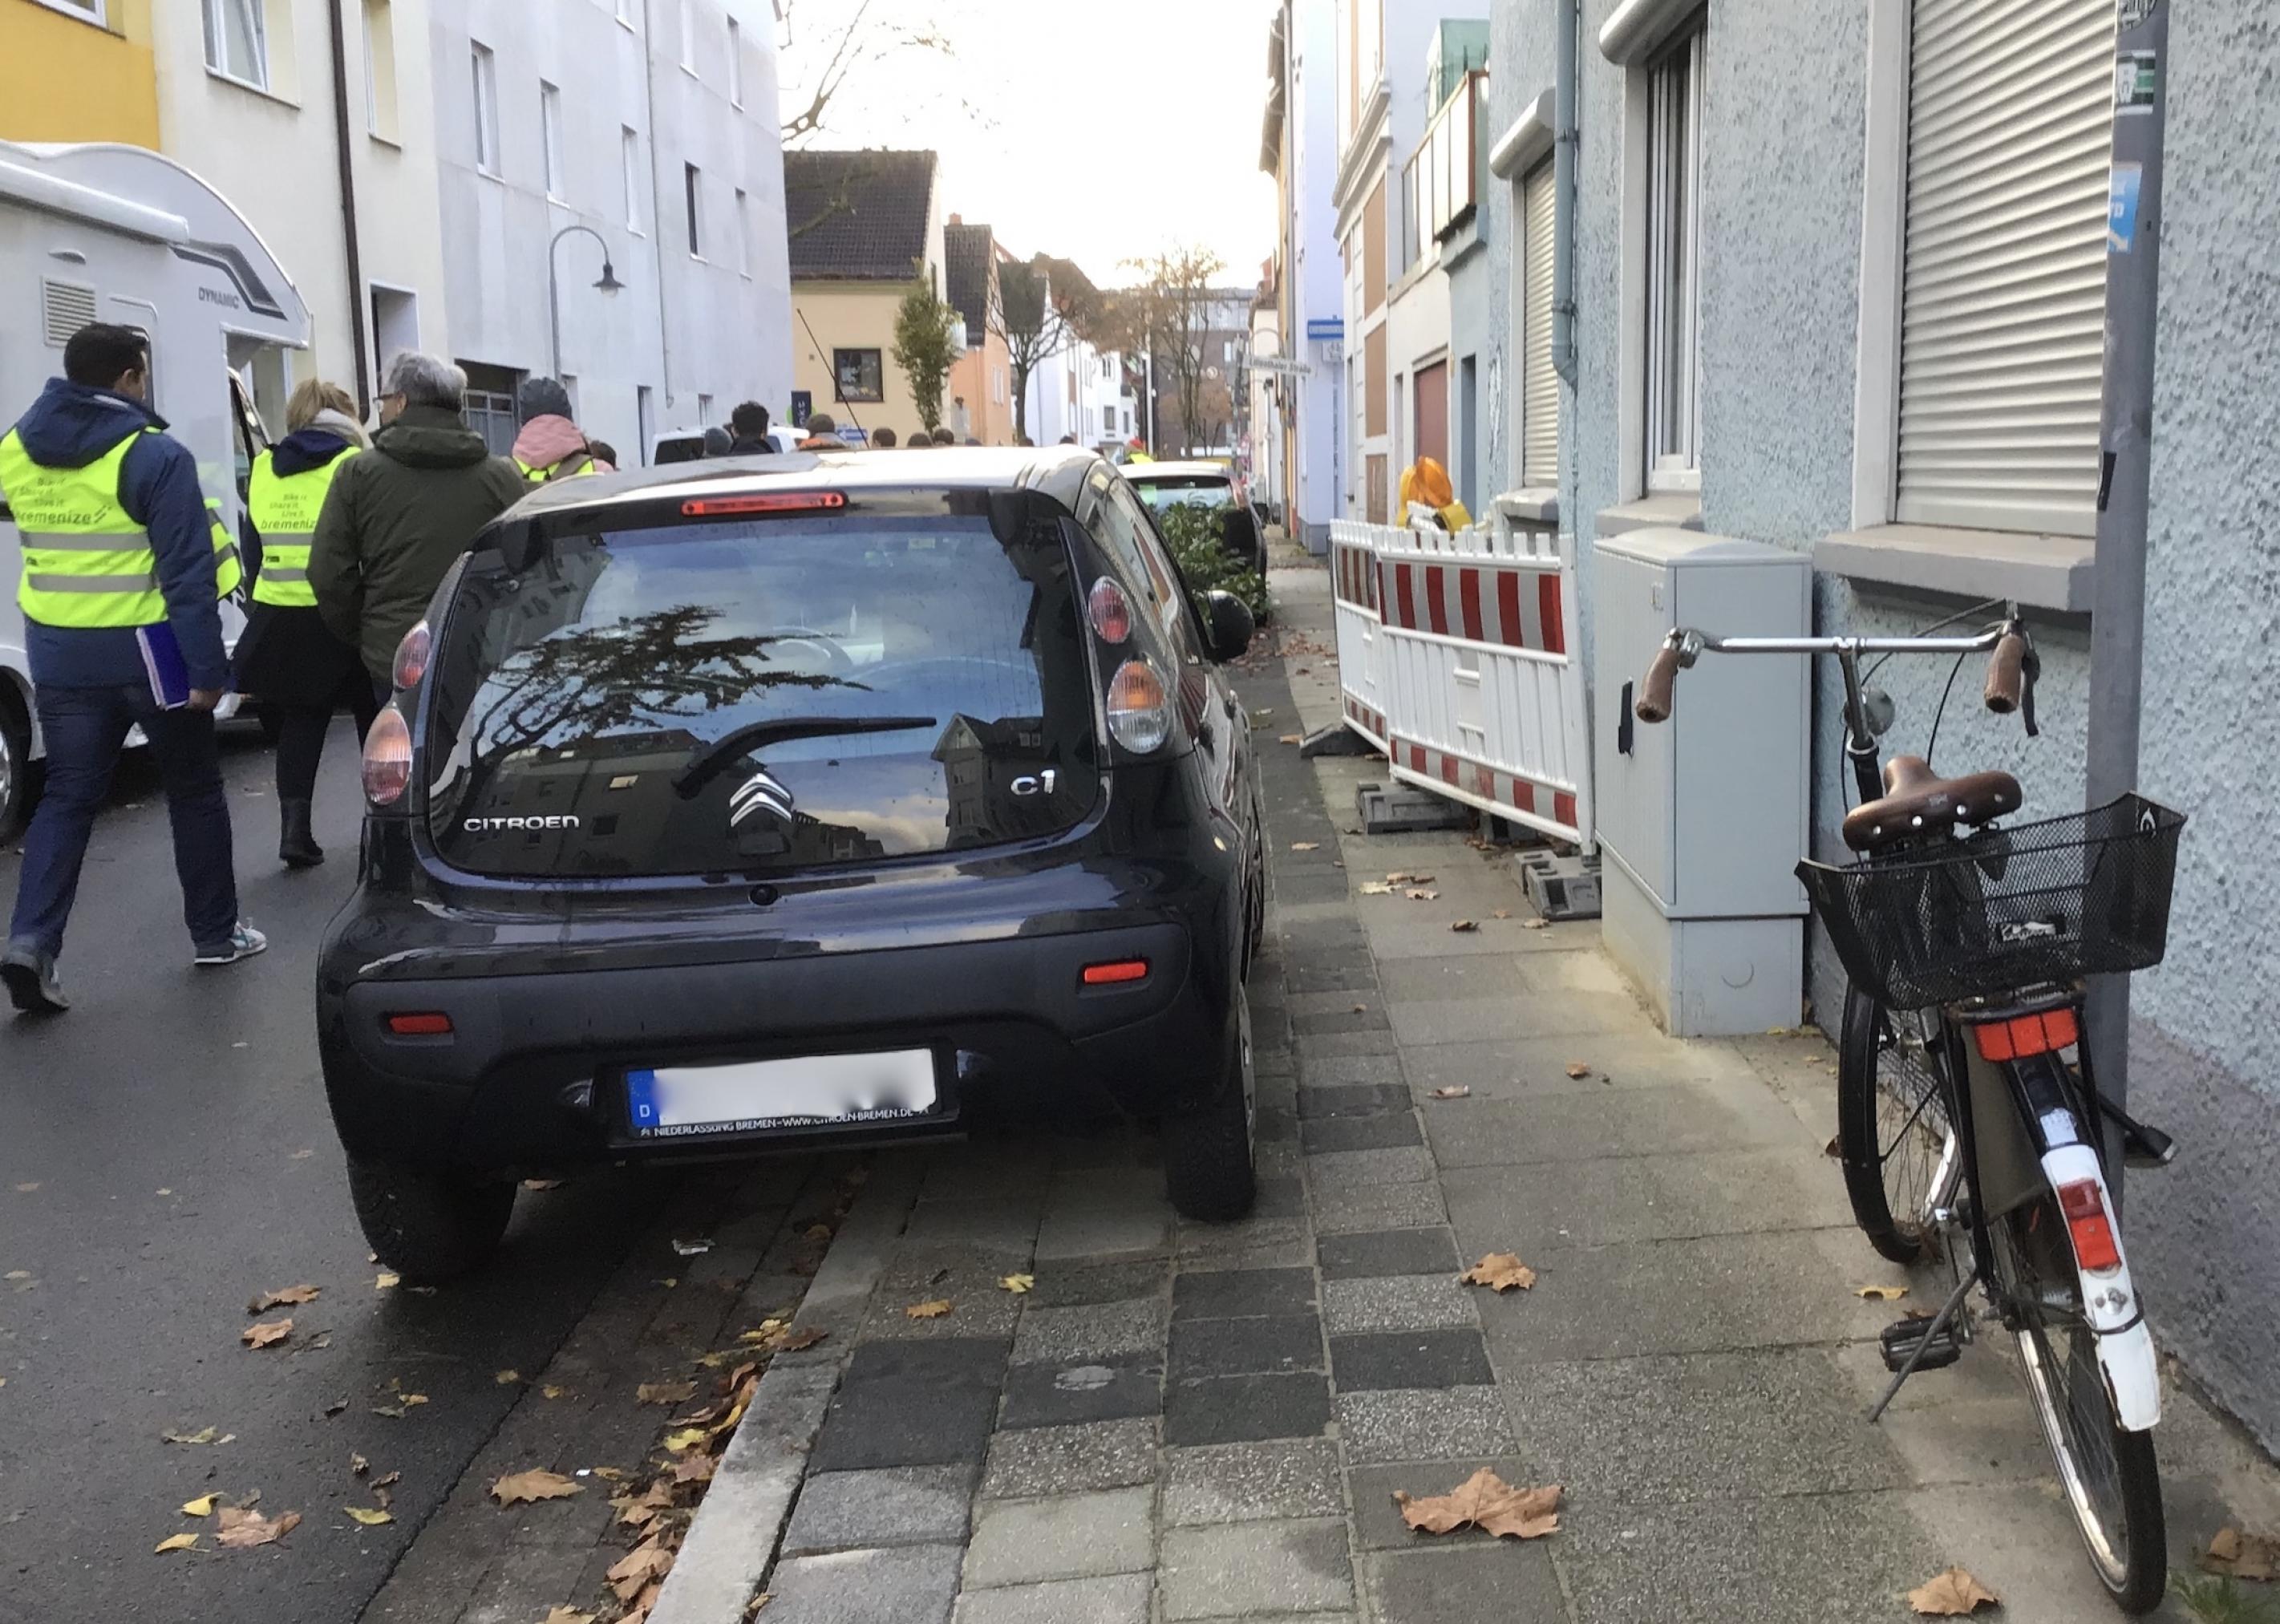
x=2083, y=1203
x=2024, y=1036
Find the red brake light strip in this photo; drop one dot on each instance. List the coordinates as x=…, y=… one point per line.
x=765, y=502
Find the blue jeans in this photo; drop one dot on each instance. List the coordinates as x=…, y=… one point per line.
x=85, y=730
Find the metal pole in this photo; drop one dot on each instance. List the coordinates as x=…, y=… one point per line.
x=1564, y=139
x=357, y=314
x=2117, y=629
x=554, y=289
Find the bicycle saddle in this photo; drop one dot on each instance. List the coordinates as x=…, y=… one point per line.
x=1918, y=801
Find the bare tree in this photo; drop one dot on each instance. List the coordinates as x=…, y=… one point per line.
x=849, y=41
x=1043, y=306
x=1169, y=312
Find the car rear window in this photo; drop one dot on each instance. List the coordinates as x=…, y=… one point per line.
x=759, y=695
x=1173, y=490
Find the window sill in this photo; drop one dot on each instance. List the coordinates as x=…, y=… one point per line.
x=1536, y=504
x=1680, y=510
x=250, y=88
x=390, y=141
x=2044, y=572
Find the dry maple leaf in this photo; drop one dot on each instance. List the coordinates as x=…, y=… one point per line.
x=1018, y=1284
x=664, y=1392
x=934, y=1309
x=1305, y=845
x=203, y=1435
x=1462, y=925
x=1579, y=1068
x=2244, y=1556
x=386, y=1281
x=1487, y=1502
x=200, y=1507
x=566, y=1615
x=506, y=1378
x=1455, y=1090
x=291, y=1296
x=1502, y=1270
x=1832, y=1148
x=1881, y=1293
x=1287, y=738
x=1422, y=896
x=632, y=1572
x=795, y=1341
x=534, y=1485
x=175, y=1541
x=1952, y=1595
x=243, y=1529
x=1536, y=924
x=687, y=1438
x=368, y=1517
x=695, y=1469
x=1371, y=888
x=267, y=1333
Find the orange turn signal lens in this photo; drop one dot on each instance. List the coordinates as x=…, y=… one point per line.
x=1139, y=710
x=1116, y=971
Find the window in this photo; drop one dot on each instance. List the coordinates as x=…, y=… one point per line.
x=689, y=180
x=487, y=129
x=743, y=234
x=91, y=10
x=1540, y=383
x=630, y=164
x=997, y=386
x=856, y=375
x=704, y=410
x=644, y=420
x=1674, y=404
x=380, y=69
x=2003, y=288
x=688, y=36
x=735, y=63
x=237, y=41
x=549, y=128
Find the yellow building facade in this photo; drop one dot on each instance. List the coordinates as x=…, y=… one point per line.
x=78, y=69
x=854, y=321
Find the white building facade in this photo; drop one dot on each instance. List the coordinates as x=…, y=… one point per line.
x=1311, y=329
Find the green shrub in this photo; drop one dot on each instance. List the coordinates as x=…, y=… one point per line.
x=1197, y=536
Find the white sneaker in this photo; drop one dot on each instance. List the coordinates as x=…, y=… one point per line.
x=243, y=942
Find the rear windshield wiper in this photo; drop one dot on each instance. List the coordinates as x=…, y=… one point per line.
x=706, y=764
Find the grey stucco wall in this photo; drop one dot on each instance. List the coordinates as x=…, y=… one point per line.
x=1473, y=337
x=1522, y=36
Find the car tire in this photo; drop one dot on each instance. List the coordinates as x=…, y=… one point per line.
x=428, y=1226
x=15, y=764
x=1208, y=1166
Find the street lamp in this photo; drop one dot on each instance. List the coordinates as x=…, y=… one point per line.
x=608, y=284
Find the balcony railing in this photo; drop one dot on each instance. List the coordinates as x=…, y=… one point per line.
x=1443, y=175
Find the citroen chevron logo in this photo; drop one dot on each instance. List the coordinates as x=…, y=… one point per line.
x=759, y=793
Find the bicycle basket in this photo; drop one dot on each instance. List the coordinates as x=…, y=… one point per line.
x=2004, y=909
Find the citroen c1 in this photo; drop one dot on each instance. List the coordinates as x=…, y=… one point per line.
x=718, y=813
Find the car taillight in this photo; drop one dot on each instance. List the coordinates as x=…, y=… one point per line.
x=388, y=758
x=2084, y=1206
x=411, y=657
x=1116, y=972
x=1139, y=711
x=419, y=1023
x=1110, y=611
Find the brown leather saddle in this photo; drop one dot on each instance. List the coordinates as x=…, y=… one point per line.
x=1918, y=801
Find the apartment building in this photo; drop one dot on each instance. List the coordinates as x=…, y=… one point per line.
x=51, y=50
x=1299, y=146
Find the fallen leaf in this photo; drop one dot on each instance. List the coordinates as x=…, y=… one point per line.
x=243, y=1529
x=664, y=1392
x=695, y=1469
x=794, y=1341
x=203, y=1435
x=267, y=1333
x=389, y=1482
x=2244, y=1556
x=1832, y=1148
x=1500, y=914
x=203, y=1506
x=298, y=1156
x=335, y=1406
x=1018, y=1284
x=385, y=1281
x=175, y=1541
x=1455, y=1090
x=566, y=1615
x=533, y=1485
x=395, y=1412
x=1536, y=924
x=1579, y=1068
x=1502, y=1270
x=1464, y=925
x=611, y=1474
x=934, y=1309
x=1372, y=887
x=818, y=1233
x=26, y=1189
x=359, y=1466
x=1881, y=1293
x=687, y=1438
x=631, y=1573
x=1487, y=1502
x=552, y=1391
x=1305, y=845
x=1418, y=895
x=367, y=1516
x=1361, y=1009
x=506, y=1378
x=542, y=1184
x=409, y=1399
x=1952, y=1595
x=1292, y=738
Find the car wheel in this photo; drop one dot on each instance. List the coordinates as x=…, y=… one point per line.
x=428, y=1226
x=1207, y=1152
x=15, y=764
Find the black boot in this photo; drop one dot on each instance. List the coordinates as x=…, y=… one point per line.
x=297, y=844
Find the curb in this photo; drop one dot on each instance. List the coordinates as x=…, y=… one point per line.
x=732, y=1541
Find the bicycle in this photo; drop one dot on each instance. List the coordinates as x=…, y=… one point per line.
x=1965, y=944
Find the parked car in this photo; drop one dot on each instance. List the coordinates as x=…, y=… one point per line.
x=673, y=445
x=1203, y=484
x=723, y=811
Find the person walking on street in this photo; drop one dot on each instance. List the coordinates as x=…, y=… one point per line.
x=550, y=445
x=287, y=658
x=822, y=434
x=883, y=439
x=943, y=436
x=398, y=515
x=123, y=576
x=749, y=426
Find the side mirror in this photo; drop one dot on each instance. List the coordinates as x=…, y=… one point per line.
x=1227, y=626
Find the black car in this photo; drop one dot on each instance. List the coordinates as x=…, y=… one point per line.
x=817, y=800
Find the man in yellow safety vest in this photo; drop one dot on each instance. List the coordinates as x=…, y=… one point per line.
x=123, y=574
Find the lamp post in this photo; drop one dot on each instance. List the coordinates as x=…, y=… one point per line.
x=608, y=284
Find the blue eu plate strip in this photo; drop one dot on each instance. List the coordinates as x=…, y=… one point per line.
x=641, y=1098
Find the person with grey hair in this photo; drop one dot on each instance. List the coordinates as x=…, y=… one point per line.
x=396, y=517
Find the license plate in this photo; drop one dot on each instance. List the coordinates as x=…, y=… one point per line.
x=678, y=1101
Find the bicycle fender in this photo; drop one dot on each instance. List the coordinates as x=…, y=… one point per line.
x=2110, y=1301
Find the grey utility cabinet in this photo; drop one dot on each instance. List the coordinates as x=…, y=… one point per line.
x=1702, y=820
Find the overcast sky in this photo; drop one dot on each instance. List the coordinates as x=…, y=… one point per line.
x=1099, y=130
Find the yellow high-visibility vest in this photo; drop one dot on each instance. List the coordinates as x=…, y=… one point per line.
x=86, y=563
x=284, y=509
x=539, y=474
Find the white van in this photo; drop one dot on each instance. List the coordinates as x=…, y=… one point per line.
x=107, y=233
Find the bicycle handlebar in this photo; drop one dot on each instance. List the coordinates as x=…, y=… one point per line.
x=2006, y=673
x=1653, y=703
x=2010, y=673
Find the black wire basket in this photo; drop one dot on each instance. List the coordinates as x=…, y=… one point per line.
x=2004, y=909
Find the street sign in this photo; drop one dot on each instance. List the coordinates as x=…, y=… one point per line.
x=1332, y=327
x=1282, y=366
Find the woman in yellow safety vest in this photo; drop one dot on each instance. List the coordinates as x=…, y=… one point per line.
x=287, y=658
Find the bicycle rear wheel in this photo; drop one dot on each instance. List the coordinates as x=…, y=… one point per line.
x=1891, y=1121
x=2106, y=1475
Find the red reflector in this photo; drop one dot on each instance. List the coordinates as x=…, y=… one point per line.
x=1120, y=970
x=766, y=502
x=420, y=1025
x=2094, y=1246
x=2023, y=1035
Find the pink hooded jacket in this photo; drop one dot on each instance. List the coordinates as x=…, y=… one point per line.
x=545, y=441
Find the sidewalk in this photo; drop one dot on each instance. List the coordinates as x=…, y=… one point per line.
x=1187, y=1422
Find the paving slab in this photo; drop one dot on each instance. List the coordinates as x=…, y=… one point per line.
x=1232, y=1292
x=1413, y=1425
x=1242, y=1482
x=1244, y=1409
x=913, y=1585
x=1255, y=1567
x=1091, y=1331
x=1250, y=1346
x=1353, y=1100
x=1345, y=1169
x=1602, y=1201
x=1389, y=1359
x=1063, y=1537
x=1371, y=1252
x=1351, y=1209
x=1396, y=1303
x=1122, y=1388
x=891, y=1506
x=1378, y=1525
x=1460, y=1020
x=1119, y=1599
x=913, y=1404
x=1362, y=1131
x=1069, y=1459
x=1065, y=1285
x=1503, y=1583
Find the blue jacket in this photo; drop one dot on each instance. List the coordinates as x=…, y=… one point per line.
x=69, y=427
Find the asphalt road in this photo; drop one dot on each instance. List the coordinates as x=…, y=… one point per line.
x=165, y=1153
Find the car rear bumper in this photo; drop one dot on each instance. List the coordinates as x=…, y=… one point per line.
x=531, y=1073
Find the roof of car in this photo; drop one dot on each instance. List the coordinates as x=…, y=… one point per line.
x=1141, y=473
x=1057, y=470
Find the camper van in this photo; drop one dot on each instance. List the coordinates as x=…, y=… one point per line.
x=106, y=232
